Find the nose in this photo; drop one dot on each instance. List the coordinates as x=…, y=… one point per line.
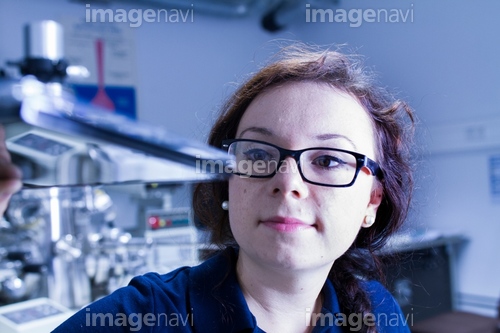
x=288, y=180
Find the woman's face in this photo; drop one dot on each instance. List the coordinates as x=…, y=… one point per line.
x=283, y=221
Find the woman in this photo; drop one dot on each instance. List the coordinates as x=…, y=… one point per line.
x=295, y=230
x=321, y=180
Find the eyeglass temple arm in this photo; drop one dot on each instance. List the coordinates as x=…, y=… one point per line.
x=374, y=168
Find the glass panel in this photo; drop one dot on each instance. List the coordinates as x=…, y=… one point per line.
x=328, y=167
x=254, y=159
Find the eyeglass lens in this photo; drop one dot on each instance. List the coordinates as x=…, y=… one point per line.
x=324, y=166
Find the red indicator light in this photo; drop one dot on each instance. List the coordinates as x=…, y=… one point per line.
x=154, y=222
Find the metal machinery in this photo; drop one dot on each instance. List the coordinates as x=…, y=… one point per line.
x=58, y=238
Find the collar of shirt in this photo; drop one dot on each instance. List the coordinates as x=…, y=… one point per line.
x=218, y=304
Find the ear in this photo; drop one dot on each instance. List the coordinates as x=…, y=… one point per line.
x=375, y=201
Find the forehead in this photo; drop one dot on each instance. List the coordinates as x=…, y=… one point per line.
x=299, y=113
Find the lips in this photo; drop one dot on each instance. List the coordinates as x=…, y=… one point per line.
x=286, y=224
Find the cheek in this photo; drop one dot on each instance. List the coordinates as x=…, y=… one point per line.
x=341, y=222
x=240, y=199
x=236, y=192
x=343, y=209
x=241, y=211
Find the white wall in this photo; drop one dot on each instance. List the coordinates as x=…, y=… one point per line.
x=445, y=63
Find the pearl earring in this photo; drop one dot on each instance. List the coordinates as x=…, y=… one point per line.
x=369, y=220
x=225, y=205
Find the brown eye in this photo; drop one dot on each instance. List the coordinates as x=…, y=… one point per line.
x=327, y=162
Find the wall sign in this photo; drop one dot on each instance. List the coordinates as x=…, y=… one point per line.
x=495, y=176
x=107, y=51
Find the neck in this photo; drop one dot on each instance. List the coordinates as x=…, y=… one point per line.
x=280, y=297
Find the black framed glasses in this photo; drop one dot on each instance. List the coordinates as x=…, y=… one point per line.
x=318, y=165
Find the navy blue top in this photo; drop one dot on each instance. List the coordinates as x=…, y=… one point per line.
x=208, y=298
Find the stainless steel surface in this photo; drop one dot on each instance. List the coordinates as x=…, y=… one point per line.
x=69, y=234
x=75, y=144
x=63, y=143
x=103, y=147
x=59, y=238
x=64, y=243
x=44, y=39
x=22, y=254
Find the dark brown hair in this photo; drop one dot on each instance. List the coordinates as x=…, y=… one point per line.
x=393, y=122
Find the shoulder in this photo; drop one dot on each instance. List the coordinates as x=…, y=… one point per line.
x=149, y=300
x=162, y=299
x=175, y=287
x=157, y=289
x=156, y=282
x=182, y=278
x=386, y=311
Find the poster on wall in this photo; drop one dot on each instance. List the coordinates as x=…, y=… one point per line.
x=107, y=51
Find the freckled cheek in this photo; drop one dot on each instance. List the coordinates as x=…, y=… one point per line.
x=239, y=196
x=241, y=210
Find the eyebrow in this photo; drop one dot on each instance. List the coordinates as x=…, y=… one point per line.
x=321, y=137
x=260, y=130
x=324, y=137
